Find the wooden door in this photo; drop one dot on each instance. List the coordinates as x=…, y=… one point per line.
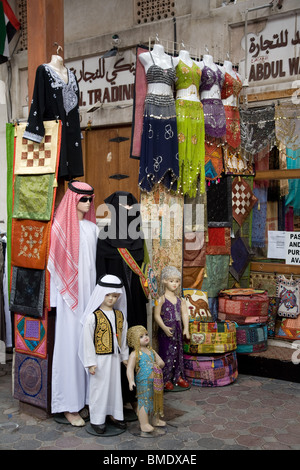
x=107, y=163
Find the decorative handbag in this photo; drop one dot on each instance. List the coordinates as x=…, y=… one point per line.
x=210, y=337
x=211, y=371
x=243, y=305
x=252, y=338
x=287, y=290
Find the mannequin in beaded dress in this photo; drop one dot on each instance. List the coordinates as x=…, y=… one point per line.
x=159, y=146
x=190, y=125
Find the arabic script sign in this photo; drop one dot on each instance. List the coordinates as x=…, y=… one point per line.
x=105, y=79
x=274, y=53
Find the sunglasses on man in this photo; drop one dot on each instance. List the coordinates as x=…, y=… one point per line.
x=85, y=199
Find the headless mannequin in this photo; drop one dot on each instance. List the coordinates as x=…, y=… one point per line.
x=190, y=93
x=215, y=91
x=161, y=59
x=231, y=100
x=57, y=65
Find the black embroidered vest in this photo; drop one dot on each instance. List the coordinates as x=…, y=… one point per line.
x=103, y=336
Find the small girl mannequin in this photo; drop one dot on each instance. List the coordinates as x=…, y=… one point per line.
x=144, y=373
x=170, y=314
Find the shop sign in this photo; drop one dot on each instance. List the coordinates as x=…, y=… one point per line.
x=292, y=243
x=274, y=54
x=105, y=79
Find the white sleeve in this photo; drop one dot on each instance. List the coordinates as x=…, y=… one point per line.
x=124, y=346
x=89, y=354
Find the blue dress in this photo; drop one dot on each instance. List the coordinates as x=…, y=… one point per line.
x=159, y=146
x=144, y=381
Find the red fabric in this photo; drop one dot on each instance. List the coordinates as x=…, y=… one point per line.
x=64, y=245
x=219, y=242
x=139, y=101
x=231, y=86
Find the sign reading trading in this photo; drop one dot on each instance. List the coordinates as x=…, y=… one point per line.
x=105, y=79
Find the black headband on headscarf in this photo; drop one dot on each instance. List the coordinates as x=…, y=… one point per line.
x=79, y=191
x=102, y=283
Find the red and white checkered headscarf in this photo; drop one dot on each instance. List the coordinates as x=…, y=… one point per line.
x=64, y=245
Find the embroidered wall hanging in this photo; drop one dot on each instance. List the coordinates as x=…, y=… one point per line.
x=235, y=163
x=27, y=291
x=30, y=380
x=192, y=277
x=288, y=292
x=219, y=241
x=243, y=199
x=287, y=124
x=217, y=274
x=266, y=281
x=33, y=197
x=259, y=217
x=31, y=335
x=194, y=249
x=219, y=203
x=30, y=241
x=213, y=159
x=257, y=129
x=197, y=305
x=240, y=254
x=33, y=158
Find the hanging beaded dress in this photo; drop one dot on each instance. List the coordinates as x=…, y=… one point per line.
x=159, y=146
x=214, y=114
x=190, y=128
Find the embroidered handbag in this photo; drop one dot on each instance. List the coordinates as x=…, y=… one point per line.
x=287, y=290
x=211, y=371
x=243, y=305
x=252, y=338
x=210, y=337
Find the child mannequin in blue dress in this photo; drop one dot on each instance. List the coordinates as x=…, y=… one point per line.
x=144, y=373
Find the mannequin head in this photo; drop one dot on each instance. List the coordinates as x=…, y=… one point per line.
x=84, y=205
x=170, y=279
x=110, y=300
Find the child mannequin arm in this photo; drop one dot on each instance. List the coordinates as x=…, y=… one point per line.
x=157, y=317
x=130, y=370
x=185, y=319
x=159, y=360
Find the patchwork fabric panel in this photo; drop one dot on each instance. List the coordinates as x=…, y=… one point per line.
x=37, y=158
x=31, y=335
x=240, y=254
x=243, y=199
x=30, y=240
x=213, y=159
x=289, y=328
x=30, y=380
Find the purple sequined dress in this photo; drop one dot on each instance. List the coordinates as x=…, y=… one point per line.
x=213, y=108
x=171, y=348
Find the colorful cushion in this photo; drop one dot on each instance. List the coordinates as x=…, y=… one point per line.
x=252, y=338
x=210, y=337
x=211, y=371
x=31, y=335
x=243, y=305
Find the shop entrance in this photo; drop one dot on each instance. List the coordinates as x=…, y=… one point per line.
x=107, y=163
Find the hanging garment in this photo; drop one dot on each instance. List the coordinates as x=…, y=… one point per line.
x=190, y=128
x=257, y=129
x=287, y=124
x=159, y=147
x=214, y=114
x=54, y=99
x=232, y=87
